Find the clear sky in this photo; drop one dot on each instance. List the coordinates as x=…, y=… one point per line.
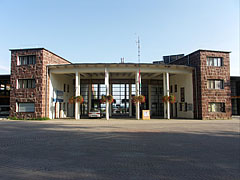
x=106, y=30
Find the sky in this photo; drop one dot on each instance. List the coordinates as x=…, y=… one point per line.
x=106, y=30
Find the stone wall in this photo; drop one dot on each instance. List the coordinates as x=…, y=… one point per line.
x=38, y=71
x=203, y=95
x=215, y=95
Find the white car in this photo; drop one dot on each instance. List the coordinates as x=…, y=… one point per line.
x=94, y=113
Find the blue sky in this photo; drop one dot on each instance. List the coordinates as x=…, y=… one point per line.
x=106, y=30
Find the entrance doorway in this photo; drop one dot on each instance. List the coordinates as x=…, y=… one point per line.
x=120, y=106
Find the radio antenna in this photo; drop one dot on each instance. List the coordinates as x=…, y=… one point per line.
x=138, y=44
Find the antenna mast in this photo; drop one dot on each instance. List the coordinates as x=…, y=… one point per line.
x=138, y=43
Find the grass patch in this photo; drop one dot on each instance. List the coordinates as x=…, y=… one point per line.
x=31, y=119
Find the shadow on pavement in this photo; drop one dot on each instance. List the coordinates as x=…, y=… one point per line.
x=55, y=151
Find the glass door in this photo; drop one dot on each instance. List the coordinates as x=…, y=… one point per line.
x=120, y=106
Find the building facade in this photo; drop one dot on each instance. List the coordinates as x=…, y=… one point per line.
x=211, y=79
x=4, y=95
x=29, y=79
x=43, y=82
x=235, y=88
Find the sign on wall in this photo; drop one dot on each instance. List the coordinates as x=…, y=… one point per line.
x=145, y=114
x=59, y=96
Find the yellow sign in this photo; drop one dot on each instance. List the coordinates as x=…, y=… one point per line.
x=145, y=114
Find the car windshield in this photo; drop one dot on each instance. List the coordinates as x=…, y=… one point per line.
x=94, y=110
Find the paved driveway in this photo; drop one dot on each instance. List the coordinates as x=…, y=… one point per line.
x=120, y=149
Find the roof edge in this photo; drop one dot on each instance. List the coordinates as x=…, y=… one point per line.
x=199, y=50
x=24, y=49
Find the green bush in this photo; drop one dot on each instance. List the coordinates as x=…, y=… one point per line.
x=31, y=119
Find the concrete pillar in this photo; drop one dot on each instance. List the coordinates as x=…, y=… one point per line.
x=149, y=98
x=130, y=99
x=137, y=94
x=110, y=106
x=57, y=110
x=89, y=96
x=107, y=92
x=77, y=93
x=168, y=104
x=164, y=94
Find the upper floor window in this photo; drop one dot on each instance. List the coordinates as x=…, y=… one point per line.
x=175, y=87
x=215, y=84
x=26, y=83
x=216, y=107
x=25, y=60
x=26, y=107
x=182, y=94
x=214, y=61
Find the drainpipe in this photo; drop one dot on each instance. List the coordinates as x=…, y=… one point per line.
x=196, y=91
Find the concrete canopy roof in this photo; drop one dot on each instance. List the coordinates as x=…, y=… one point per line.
x=119, y=67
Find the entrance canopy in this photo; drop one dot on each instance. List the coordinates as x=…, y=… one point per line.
x=122, y=80
x=118, y=70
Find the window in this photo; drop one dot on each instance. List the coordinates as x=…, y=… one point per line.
x=216, y=107
x=171, y=89
x=26, y=107
x=214, y=61
x=180, y=106
x=26, y=83
x=182, y=94
x=175, y=88
x=68, y=88
x=215, y=84
x=185, y=107
x=26, y=60
x=64, y=88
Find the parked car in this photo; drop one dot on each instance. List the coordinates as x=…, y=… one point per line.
x=94, y=113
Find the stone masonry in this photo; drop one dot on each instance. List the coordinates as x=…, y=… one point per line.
x=203, y=95
x=37, y=95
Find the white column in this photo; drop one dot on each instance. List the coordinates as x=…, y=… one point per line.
x=149, y=98
x=107, y=92
x=89, y=96
x=164, y=94
x=168, y=104
x=137, y=94
x=77, y=93
x=130, y=99
x=110, y=106
x=57, y=110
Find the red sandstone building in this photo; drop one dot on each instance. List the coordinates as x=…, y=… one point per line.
x=42, y=84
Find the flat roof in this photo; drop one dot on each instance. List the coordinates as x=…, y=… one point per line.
x=207, y=50
x=40, y=48
x=74, y=65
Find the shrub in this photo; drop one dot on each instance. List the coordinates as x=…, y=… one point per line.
x=31, y=119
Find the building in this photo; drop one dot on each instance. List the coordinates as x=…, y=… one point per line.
x=212, y=91
x=43, y=82
x=4, y=95
x=235, y=87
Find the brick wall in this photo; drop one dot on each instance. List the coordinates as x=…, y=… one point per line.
x=203, y=95
x=215, y=95
x=38, y=71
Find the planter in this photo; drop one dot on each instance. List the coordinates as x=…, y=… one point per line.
x=141, y=99
x=165, y=99
x=74, y=99
x=172, y=99
x=108, y=99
